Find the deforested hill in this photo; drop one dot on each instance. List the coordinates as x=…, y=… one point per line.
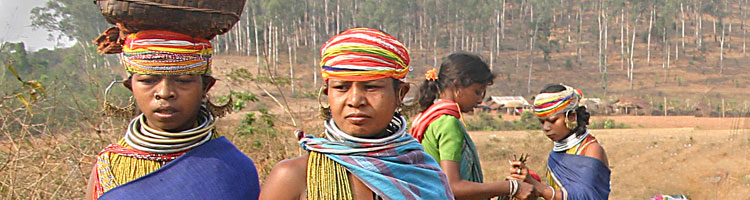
x=689, y=53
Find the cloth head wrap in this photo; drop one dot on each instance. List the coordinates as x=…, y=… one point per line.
x=363, y=54
x=155, y=52
x=548, y=104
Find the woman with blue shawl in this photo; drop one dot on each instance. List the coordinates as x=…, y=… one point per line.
x=365, y=151
x=171, y=150
x=577, y=167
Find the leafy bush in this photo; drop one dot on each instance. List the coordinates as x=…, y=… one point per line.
x=486, y=122
x=607, y=124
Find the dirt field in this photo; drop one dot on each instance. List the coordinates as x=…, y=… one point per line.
x=700, y=163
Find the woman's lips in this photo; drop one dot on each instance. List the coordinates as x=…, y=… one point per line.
x=357, y=118
x=165, y=113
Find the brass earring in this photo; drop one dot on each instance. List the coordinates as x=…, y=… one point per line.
x=325, y=111
x=116, y=111
x=219, y=111
x=570, y=124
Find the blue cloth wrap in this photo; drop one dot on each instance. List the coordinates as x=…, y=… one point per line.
x=583, y=177
x=214, y=170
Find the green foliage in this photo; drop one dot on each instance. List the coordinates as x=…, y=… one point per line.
x=568, y=64
x=74, y=19
x=528, y=121
x=485, y=122
x=240, y=99
x=249, y=124
x=607, y=124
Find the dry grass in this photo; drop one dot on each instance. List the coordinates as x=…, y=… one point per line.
x=701, y=164
x=704, y=159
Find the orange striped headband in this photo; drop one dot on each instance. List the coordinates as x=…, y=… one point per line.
x=157, y=52
x=363, y=54
x=548, y=104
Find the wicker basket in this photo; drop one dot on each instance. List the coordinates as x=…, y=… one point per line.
x=198, y=18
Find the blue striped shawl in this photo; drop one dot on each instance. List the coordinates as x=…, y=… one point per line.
x=396, y=169
x=581, y=177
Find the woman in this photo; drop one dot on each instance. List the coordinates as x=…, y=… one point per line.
x=366, y=152
x=456, y=88
x=171, y=150
x=577, y=167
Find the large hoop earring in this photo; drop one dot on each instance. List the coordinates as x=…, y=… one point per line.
x=325, y=110
x=570, y=124
x=219, y=111
x=116, y=111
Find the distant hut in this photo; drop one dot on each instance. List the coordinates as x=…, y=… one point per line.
x=508, y=104
x=592, y=104
x=630, y=106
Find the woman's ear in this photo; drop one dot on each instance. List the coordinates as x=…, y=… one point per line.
x=572, y=116
x=403, y=89
x=128, y=83
x=208, y=82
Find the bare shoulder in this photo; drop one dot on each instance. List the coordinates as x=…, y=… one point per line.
x=595, y=150
x=287, y=180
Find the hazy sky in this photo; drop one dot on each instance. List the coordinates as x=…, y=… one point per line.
x=15, y=25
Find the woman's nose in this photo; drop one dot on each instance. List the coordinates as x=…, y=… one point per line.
x=355, y=97
x=164, y=90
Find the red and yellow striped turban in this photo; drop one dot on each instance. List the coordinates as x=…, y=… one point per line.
x=156, y=52
x=363, y=54
x=549, y=104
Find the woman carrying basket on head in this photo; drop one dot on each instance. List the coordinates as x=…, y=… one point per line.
x=172, y=149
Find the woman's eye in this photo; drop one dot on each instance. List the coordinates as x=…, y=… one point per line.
x=184, y=80
x=148, y=80
x=340, y=87
x=372, y=87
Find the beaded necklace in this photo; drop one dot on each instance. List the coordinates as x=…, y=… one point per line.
x=144, y=138
x=327, y=179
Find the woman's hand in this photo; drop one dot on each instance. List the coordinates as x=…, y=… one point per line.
x=526, y=191
x=518, y=171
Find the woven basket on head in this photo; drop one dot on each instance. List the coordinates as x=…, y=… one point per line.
x=197, y=18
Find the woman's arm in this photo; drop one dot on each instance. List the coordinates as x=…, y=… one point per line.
x=463, y=189
x=90, y=185
x=287, y=181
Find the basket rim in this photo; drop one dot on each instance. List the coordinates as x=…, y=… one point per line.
x=177, y=7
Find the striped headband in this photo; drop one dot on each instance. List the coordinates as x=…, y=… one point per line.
x=363, y=54
x=548, y=104
x=156, y=52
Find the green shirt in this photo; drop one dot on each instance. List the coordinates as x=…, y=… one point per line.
x=447, y=139
x=444, y=139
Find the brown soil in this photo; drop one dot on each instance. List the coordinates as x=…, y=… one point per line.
x=701, y=164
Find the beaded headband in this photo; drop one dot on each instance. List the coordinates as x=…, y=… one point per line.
x=363, y=54
x=548, y=104
x=157, y=52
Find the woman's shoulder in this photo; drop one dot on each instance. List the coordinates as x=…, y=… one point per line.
x=446, y=121
x=287, y=180
x=291, y=168
x=446, y=125
x=595, y=150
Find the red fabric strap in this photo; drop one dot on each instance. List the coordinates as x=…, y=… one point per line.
x=423, y=120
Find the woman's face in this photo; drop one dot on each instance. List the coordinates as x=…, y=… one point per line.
x=364, y=108
x=169, y=103
x=554, y=126
x=469, y=97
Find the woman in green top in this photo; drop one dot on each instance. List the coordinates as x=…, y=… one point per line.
x=458, y=87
